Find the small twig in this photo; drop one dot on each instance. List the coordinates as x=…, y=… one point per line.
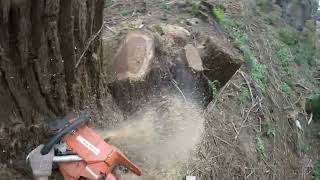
x=176, y=85
x=244, y=121
x=267, y=164
x=219, y=94
x=310, y=119
x=291, y=106
x=304, y=87
x=272, y=99
x=234, y=127
x=236, y=86
x=109, y=28
x=249, y=174
x=87, y=46
x=248, y=84
x=221, y=140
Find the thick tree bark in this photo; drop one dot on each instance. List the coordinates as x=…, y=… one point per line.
x=40, y=43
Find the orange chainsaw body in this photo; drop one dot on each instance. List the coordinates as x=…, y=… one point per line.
x=98, y=157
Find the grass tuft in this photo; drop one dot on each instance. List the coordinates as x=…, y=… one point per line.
x=284, y=87
x=316, y=171
x=244, y=94
x=195, y=8
x=289, y=36
x=271, y=132
x=218, y=13
x=260, y=146
x=214, y=88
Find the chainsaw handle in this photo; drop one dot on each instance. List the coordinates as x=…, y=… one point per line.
x=57, y=138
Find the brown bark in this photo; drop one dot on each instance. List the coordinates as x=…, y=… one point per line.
x=40, y=42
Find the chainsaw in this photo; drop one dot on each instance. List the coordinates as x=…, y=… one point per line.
x=81, y=152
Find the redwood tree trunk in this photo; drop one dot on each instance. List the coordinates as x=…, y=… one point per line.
x=40, y=43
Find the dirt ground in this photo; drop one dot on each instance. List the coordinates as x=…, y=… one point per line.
x=228, y=146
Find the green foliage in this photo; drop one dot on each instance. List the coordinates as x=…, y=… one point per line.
x=124, y=13
x=260, y=146
x=258, y=72
x=271, y=132
x=244, y=94
x=311, y=25
x=214, y=88
x=264, y=5
x=108, y=3
x=301, y=49
x=283, y=53
x=289, y=36
x=241, y=41
x=313, y=106
x=195, y=8
x=284, y=87
x=166, y=8
x=218, y=13
x=271, y=19
x=316, y=171
x=261, y=2
x=305, y=51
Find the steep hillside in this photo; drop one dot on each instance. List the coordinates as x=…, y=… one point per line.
x=221, y=94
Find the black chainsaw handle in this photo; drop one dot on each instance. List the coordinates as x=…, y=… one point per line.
x=57, y=138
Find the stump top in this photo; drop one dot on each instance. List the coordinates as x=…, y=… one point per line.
x=133, y=58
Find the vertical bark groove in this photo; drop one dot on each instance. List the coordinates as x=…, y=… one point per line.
x=40, y=41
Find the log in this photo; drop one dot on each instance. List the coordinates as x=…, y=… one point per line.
x=220, y=61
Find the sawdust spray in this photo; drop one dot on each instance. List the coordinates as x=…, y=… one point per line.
x=161, y=136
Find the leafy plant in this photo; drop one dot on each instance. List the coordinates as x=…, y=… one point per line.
x=264, y=5
x=284, y=87
x=166, y=7
x=316, y=171
x=271, y=132
x=289, y=36
x=258, y=72
x=305, y=51
x=244, y=94
x=260, y=147
x=124, y=13
x=282, y=52
x=214, y=88
x=218, y=13
x=195, y=8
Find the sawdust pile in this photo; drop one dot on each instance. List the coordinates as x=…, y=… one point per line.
x=161, y=135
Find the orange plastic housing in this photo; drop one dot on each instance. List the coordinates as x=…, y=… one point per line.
x=98, y=156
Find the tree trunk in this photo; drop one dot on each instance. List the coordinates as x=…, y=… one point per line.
x=40, y=44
